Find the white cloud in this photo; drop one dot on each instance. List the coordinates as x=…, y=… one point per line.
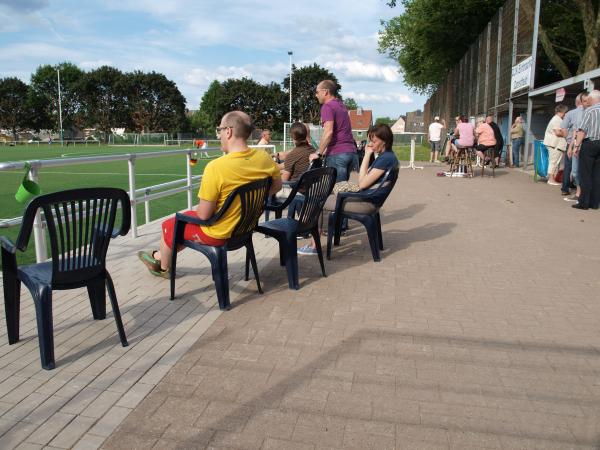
x=87, y=65
x=394, y=97
x=357, y=70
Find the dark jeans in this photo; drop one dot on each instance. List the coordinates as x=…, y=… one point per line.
x=566, y=182
x=344, y=163
x=589, y=174
x=516, y=151
x=295, y=206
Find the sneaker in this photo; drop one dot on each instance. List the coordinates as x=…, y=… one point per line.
x=554, y=183
x=564, y=194
x=307, y=250
x=150, y=262
x=573, y=198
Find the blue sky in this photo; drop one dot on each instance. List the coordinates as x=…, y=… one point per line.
x=195, y=42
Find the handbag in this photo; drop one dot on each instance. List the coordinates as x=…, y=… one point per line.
x=345, y=186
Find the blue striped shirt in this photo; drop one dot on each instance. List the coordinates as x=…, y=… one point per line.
x=591, y=123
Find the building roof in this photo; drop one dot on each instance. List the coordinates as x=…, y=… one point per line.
x=361, y=119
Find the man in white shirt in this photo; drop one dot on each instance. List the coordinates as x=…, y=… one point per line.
x=435, y=136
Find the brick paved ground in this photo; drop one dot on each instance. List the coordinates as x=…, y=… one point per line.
x=479, y=329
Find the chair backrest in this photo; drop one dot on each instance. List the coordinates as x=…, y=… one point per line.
x=316, y=185
x=80, y=224
x=381, y=192
x=252, y=197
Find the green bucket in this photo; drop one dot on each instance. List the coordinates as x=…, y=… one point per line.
x=28, y=189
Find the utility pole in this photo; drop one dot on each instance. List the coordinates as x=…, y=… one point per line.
x=290, y=53
x=59, y=107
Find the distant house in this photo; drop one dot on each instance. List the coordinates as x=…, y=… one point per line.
x=360, y=120
x=415, y=122
x=399, y=126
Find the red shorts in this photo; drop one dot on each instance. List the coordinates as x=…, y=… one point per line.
x=191, y=232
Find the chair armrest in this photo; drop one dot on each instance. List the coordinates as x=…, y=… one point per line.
x=362, y=194
x=180, y=217
x=287, y=201
x=8, y=245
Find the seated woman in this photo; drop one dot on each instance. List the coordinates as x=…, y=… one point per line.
x=485, y=139
x=380, y=144
x=464, y=134
x=296, y=162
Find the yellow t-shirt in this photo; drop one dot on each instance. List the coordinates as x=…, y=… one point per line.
x=221, y=176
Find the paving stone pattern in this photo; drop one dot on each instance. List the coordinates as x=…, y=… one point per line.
x=479, y=329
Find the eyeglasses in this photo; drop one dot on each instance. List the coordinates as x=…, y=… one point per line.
x=219, y=129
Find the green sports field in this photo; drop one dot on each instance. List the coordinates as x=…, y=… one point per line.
x=114, y=174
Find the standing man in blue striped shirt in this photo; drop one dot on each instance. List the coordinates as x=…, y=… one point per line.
x=588, y=146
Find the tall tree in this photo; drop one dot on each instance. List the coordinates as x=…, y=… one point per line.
x=263, y=103
x=569, y=37
x=305, y=106
x=15, y=111
x=209, y=113
x=44, y=85
x=154, y=103
x=103, y=98
x=430, y=37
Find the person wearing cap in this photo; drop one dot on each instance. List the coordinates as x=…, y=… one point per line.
x=435, y=136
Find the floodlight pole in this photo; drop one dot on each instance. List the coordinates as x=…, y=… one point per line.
x=59, y=107
x=290, y=53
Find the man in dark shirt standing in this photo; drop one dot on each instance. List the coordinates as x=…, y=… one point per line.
x=499, y=139
x=337, y=143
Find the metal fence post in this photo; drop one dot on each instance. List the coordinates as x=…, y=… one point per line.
x=41, y=250
x=188, y=157
x=131, y=164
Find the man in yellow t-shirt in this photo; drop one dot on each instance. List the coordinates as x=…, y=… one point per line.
x=240, y=165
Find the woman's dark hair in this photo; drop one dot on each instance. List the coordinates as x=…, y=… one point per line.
x=463, y=118
x=383, y=132
x=298, y=131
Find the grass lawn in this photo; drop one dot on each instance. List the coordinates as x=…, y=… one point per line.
x=114, y=174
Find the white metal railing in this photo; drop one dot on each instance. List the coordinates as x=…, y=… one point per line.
x=143, y=195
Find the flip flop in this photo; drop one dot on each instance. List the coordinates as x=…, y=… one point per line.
x=149, y=261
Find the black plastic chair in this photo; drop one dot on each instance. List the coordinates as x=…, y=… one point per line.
x=275, y=201
x=316, y=184
x=80, y=224
x=371, y=221
x=252, y=198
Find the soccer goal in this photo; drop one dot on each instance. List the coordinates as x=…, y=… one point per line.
x=316, y=132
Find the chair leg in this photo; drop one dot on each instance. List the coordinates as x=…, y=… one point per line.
x=115, y=307
x=370, y=225
x=330, y=233
x=247, y=266
x=282, y=253
x=291, y=262
x=97, y=293
x=220, y=276
x=317, y=238
x=338, y=229
x=43, y=313
x=172, y=273
x=12, y=306
x=252, y=257
x=379, y=235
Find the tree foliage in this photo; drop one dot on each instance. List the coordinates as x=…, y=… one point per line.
x=44, y=86
x=351, y=104
x=15, y=108
x=569, y=37
x=385, y=121
x=430, y=37
x=103, y=94
x=305, y=106
x=154, y=103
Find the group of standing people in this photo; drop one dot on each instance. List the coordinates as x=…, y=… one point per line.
x=574, y=137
